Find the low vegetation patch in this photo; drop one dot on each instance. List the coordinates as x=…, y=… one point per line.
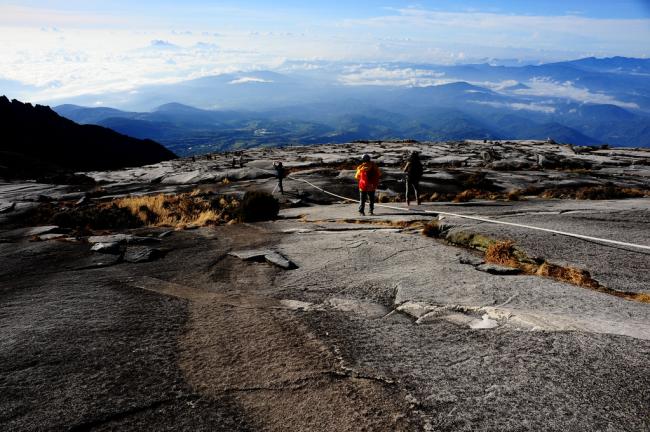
x=502, y=253
x=107, y=216
x=571, y=275
x=470, y=194
x=258, y=206
x=595, y=193
x=505, y=253
x=432, y=229
x=180, y=210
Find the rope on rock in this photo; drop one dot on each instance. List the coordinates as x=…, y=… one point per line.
x=482, y=219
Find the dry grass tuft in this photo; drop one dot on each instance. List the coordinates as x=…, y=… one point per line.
x=179, y=211
x=595, y=193
x=505, y=253
x=642, y=297
x=514, y=195
x=467, y=195
x=431, y=229
x=502, y=253
x=571, y=275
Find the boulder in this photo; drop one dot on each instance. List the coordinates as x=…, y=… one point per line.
x=139, y=254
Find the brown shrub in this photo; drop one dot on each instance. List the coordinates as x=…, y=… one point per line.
x=258, y=206
x=532, y=190
x=607, y=192
x=431, y=229
x=572, y=275
x=106, y=216
x=467, y=195
x=502, y=253
x=514, y=195
x=595, y=193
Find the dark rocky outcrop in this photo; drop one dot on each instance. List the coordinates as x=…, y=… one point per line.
x=36, y=141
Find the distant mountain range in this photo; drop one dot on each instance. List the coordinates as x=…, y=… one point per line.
x=587, y=101
x=36, y=141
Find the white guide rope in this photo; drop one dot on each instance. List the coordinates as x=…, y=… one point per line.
x=484, y=219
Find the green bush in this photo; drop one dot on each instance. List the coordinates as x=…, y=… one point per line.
x=258, y=206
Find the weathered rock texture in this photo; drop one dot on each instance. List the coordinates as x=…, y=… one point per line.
x=324, y=320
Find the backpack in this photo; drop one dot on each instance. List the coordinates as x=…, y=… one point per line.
x=371, y=173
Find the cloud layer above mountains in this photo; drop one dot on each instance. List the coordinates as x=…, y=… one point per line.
x=76, y=49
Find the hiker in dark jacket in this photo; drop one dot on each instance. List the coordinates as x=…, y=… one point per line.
x=414, y=171
x=280, y=173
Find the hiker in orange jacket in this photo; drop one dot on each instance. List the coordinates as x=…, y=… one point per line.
x=368, y=175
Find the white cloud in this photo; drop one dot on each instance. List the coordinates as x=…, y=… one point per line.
x=94, y=53
x=246, y=80
x=546, y=87
x=385, y=76
x=518, y=106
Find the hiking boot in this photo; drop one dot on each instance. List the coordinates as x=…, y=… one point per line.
x=362, y=213
x=372, y=213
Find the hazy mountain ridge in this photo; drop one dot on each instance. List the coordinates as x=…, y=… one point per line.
x=290, y=126
x=586, y=101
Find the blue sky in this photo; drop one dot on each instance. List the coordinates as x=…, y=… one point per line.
x=362, y=8
x=74, y=46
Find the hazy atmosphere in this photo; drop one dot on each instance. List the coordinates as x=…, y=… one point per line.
x=55, y=49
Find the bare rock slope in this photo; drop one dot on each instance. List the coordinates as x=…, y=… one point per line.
x=325, y=320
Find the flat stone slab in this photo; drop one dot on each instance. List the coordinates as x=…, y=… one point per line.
x=109, y=248
x=37, y=231
x=270, y=256
x=415, y=309
x=297, y=305
x=278, y=260
x=368, y=309
x=113, y=238
x=122, y=238
x=248, y=255
x=6, y=207
x=51, y=236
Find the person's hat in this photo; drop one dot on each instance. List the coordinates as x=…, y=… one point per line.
x=366, y=158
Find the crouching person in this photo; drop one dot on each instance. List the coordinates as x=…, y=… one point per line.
x=368, y=175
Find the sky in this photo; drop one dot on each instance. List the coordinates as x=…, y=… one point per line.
x=52, y=49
